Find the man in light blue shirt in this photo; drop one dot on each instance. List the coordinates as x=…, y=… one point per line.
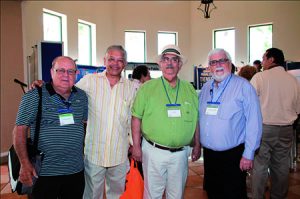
x=230, y=128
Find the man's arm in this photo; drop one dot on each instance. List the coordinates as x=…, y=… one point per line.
x=27, y=171
x=196, y=152
x=136, y=136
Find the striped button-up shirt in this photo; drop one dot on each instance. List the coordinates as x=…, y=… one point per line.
x=108, y=126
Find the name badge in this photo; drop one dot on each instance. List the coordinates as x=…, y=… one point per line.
x=65, y=117
x=212, y=108
x=174, y=113
x=173, y=110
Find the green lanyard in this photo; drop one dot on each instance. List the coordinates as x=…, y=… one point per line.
x=175, y=104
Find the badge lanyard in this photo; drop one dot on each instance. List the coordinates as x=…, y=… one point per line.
x=212, y=92
x=175, y=104
x=65, y=115
x=213, y=107
x=173, y=110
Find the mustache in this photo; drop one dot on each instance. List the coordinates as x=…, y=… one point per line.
x=170, y=67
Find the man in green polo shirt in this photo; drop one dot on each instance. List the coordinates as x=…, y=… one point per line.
x=165, y=111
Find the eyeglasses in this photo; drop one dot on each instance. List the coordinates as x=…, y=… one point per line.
x=220, y=61
x=172, y=59
x=62, y=71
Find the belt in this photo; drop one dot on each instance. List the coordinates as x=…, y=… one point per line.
x=287, y=125
x=164, y=148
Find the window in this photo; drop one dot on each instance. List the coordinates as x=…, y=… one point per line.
x=165, y=38
x=225, y=39
x=135, y=46
x=260, y=39
x=55, y=27
x=86, y=43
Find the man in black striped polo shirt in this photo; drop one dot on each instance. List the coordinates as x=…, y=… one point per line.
x=64, y=113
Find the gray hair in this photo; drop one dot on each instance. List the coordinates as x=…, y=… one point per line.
x=118, y=48
x=217, y=51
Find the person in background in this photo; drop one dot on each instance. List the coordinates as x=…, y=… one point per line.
x=257, y=65
x=279, y=95
x=64, y=114
x=233, y=68
x=106, y=143
x=165, y=111
x=247, y=72
x=230, y=129
x=141, y=73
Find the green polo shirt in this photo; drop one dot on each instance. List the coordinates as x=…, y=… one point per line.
x=150, y=106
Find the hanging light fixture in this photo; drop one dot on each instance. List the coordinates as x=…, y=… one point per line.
x=207, y=8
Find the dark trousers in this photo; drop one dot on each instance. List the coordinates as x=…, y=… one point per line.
x=222, y=175
x=59, y=187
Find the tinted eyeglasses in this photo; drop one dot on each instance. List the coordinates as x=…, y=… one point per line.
x=62, y=71
x=172, y=59
x=220, y=61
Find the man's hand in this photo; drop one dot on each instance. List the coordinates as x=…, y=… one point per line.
x=196, y=152
x=27, y=172
x=36, y=83
x=246, y=164
x=137, y=153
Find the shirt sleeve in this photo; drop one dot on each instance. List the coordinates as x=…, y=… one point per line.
x=139, y=103
x=83, y=82
x=253, y=124
x=28, y=108
x=255, y=83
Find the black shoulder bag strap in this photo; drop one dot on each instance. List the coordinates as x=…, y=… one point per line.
x=38, y=123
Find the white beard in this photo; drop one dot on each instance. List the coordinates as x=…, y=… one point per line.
x=219, y=78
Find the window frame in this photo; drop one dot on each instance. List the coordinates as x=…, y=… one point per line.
x=92, y=40
x=63, y=28
x=234, y=45
x=144, y=43
x=249, y=39
x=166, y=32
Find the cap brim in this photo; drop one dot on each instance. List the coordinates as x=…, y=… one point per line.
x=183, y=58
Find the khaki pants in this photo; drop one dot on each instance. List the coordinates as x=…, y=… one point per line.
x=96, y=176
x=274, y=154
x=164, y=170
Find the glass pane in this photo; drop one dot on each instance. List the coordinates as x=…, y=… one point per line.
x=226, y=39
x=164, y=38
x=84, y=44
x=260, y=39
x=135, y=46
x=52, y=27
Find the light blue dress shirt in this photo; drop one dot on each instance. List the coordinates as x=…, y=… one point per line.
x=238, y=120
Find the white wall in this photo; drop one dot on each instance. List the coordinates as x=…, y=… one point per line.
x=194, y=32
x=284, y=15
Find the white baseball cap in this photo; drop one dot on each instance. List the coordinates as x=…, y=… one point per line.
x=173, y=50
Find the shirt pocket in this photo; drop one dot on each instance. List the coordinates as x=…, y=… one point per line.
x=228, y=110
x=188, y=112
x=125, y=114
x=49, y=114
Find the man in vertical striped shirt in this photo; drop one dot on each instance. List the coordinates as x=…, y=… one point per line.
x=106, y=145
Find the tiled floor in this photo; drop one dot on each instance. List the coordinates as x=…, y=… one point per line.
x=193, y=186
